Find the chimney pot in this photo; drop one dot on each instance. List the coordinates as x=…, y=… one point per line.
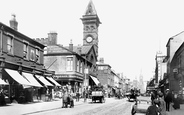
x=71, y=45
x=13, y=22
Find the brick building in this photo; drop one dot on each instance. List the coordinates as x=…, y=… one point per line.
x=106, y=77
x=21, y=64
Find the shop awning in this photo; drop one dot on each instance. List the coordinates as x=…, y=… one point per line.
x=2, y=82
x=31, y=79
x=53, y=81
x=44, y=81
x=17, y=77
x=95, y=80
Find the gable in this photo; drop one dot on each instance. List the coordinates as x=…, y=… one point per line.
x=91, y=55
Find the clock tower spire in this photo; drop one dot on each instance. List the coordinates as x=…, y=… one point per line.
x=91, y=23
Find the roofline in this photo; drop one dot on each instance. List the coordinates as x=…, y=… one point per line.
x=173, y=37
x=3, y=25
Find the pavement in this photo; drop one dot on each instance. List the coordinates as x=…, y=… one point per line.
x=176, y=112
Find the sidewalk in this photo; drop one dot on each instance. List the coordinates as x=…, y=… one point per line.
x=178, y=111
x=35, y=107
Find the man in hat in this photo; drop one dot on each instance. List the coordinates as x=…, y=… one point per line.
x=162, y=104
x=153, y=109
x=168, y=99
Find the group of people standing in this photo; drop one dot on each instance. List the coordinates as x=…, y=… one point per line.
x=161, y=102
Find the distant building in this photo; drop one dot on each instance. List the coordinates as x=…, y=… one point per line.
x=104, y=75
x=161, y=67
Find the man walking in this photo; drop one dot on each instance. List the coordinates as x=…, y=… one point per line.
x=153, y=109
x=162, y=104
x=168, y=99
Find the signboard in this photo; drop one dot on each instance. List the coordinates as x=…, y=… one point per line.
x=86, y=71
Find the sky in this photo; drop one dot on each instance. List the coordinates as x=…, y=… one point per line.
x=131, y=33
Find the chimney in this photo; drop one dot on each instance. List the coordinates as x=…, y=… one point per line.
x=52, y=38
x=101, y=60
x=13, y=22
x=79, y=49
x=71, y=46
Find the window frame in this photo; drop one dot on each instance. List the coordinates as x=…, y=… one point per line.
x=32, y=55
x=11, y=38
x=26, y=50
x=78, y=65
x=37, y=55
x=69, y=64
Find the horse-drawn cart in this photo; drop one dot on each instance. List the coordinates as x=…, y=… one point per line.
x=98, y=94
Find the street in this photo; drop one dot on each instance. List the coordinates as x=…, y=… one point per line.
x=110, y=107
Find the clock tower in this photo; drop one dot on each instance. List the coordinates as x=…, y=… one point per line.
x=91, y=23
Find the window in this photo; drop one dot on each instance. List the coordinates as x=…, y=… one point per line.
x=32, y=55
x=37, y=55
x=25, y=56
x=69, y=63
x=10, y=44
x=81, y=67
x=78, y=69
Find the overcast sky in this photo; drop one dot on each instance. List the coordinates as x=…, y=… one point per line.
x=131, y=33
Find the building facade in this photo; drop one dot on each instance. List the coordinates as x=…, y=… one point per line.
x=105, y=77
x=21, y=62
x=176, y=78
x=75, y=65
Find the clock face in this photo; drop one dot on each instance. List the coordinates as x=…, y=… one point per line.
x=89, y=39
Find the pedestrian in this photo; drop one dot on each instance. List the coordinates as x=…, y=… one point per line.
x=153, y=109
x=162, y=104
x=71, y=102
x=2, y=97
x=77, y=95
x=176, y=102
x=153, y=96
x=84, y=94
x=65, y=99
x=168, y=99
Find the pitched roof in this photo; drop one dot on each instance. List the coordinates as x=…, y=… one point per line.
x=84, y=49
